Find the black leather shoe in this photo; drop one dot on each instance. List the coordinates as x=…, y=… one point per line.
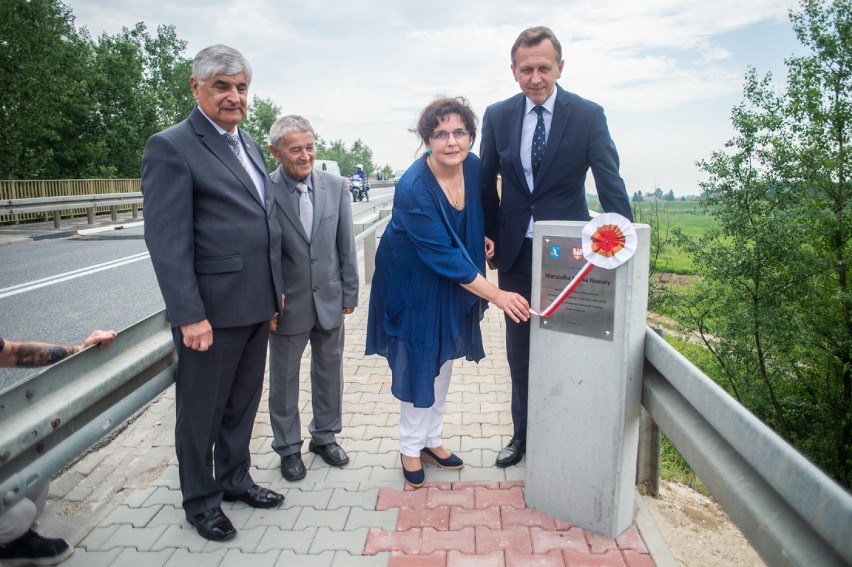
x=212, y=524
x=292, y=467
x=511, y=454
x=331, y=453
x=256, y=497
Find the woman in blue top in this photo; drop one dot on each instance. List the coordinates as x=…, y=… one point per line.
x=428, y=289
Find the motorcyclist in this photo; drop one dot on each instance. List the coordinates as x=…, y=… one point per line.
x=359, y=172
x=361, y=176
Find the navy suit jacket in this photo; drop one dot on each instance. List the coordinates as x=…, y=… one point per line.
x=216, y=248
x=578, y=140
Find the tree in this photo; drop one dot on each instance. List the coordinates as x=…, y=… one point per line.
x=638, y=197
x=44, y=113
x=774, y=306
x=262, y=115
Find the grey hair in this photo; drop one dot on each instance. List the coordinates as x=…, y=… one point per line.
x=287, y=124
x=219, y=60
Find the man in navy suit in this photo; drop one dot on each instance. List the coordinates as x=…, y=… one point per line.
x=542, y=143
x=215, y=242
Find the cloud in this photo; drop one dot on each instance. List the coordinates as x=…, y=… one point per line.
x=365, y=69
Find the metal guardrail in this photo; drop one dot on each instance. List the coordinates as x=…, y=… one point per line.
x=790, y=511
x=58, y=205
x=56, y=415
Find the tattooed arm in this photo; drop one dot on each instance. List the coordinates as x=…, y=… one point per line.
x=30, y=355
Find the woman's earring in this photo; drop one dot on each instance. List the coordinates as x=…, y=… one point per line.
x=428, y=151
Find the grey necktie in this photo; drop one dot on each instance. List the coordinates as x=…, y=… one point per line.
x=537, y=141
x=236, y=147
x=306, y=208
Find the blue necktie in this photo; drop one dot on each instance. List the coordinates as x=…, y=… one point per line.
x=537, y=141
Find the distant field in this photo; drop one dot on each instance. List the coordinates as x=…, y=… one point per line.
x=665, y=216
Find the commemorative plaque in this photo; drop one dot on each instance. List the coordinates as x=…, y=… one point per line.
x=590, y=310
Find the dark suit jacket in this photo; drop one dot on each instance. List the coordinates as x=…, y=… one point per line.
x=319, y=276
x=578, y=139
x=215, y=248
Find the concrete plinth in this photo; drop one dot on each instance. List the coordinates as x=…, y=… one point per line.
x=585, y=382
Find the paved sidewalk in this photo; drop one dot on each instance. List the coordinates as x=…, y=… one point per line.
x=120, y=504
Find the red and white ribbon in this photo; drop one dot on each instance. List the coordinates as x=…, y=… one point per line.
x=609, y=240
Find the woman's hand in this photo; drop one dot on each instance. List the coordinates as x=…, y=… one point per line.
x=512, y=304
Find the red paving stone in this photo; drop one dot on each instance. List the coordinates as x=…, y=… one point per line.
x=611, y=558
x=438, y=518
x=462, y=540
x=487, y=518
x=472, y=524
x=550, y=559
x=437, y=559
x=517, y=539
x=456, y=559
x=458, y=497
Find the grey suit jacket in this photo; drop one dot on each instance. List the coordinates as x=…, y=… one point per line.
x=579, y=139
x=214, y=245
x=319, y=277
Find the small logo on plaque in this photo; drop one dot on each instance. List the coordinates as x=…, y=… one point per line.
x=556, y=251
x=577, y=252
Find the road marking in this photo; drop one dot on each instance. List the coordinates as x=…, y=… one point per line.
x=74, y=274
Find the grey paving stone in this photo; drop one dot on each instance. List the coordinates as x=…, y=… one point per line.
x=138, y=497
x=246, y=541
x=137, y=517
x=236, y=558
x=133, y=558
x=169, y=515
x=361, y=518
x=97, y=538
x=179, y=537
x=298, y=541
x=165, y=496
x=291, y=559
x=317, y=499
x=183, y=558
x=365, y=499
x=142, y=539
x=85, y=558
x=348, y=474
x=61, y=486
x=492, y=473
x=351, y=541
x=310, y=517
x=283, y=518
x=364, y=460
x=344, y=559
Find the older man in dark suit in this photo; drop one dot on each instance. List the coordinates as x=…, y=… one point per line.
x=215, y=244
x=320, y=278
x=542, y=142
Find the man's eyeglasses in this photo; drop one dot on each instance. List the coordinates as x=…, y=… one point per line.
x=442, y=136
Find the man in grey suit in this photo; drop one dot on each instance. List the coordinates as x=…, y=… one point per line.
x=320, y=279
x=215, y=244
x=542, y=142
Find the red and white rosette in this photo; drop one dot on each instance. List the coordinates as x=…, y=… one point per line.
x=609, y=240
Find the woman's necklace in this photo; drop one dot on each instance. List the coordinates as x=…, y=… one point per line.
x=446, y=189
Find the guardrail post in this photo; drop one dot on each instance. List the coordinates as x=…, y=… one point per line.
x=90, y=214
x=113, y=213
x=369, y=256
x=57, y=219
x=648, y=457
x=134, y=209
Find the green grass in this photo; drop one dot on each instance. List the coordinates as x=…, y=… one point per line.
x=664, y=217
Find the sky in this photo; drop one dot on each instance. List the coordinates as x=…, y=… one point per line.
x=667, y=72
